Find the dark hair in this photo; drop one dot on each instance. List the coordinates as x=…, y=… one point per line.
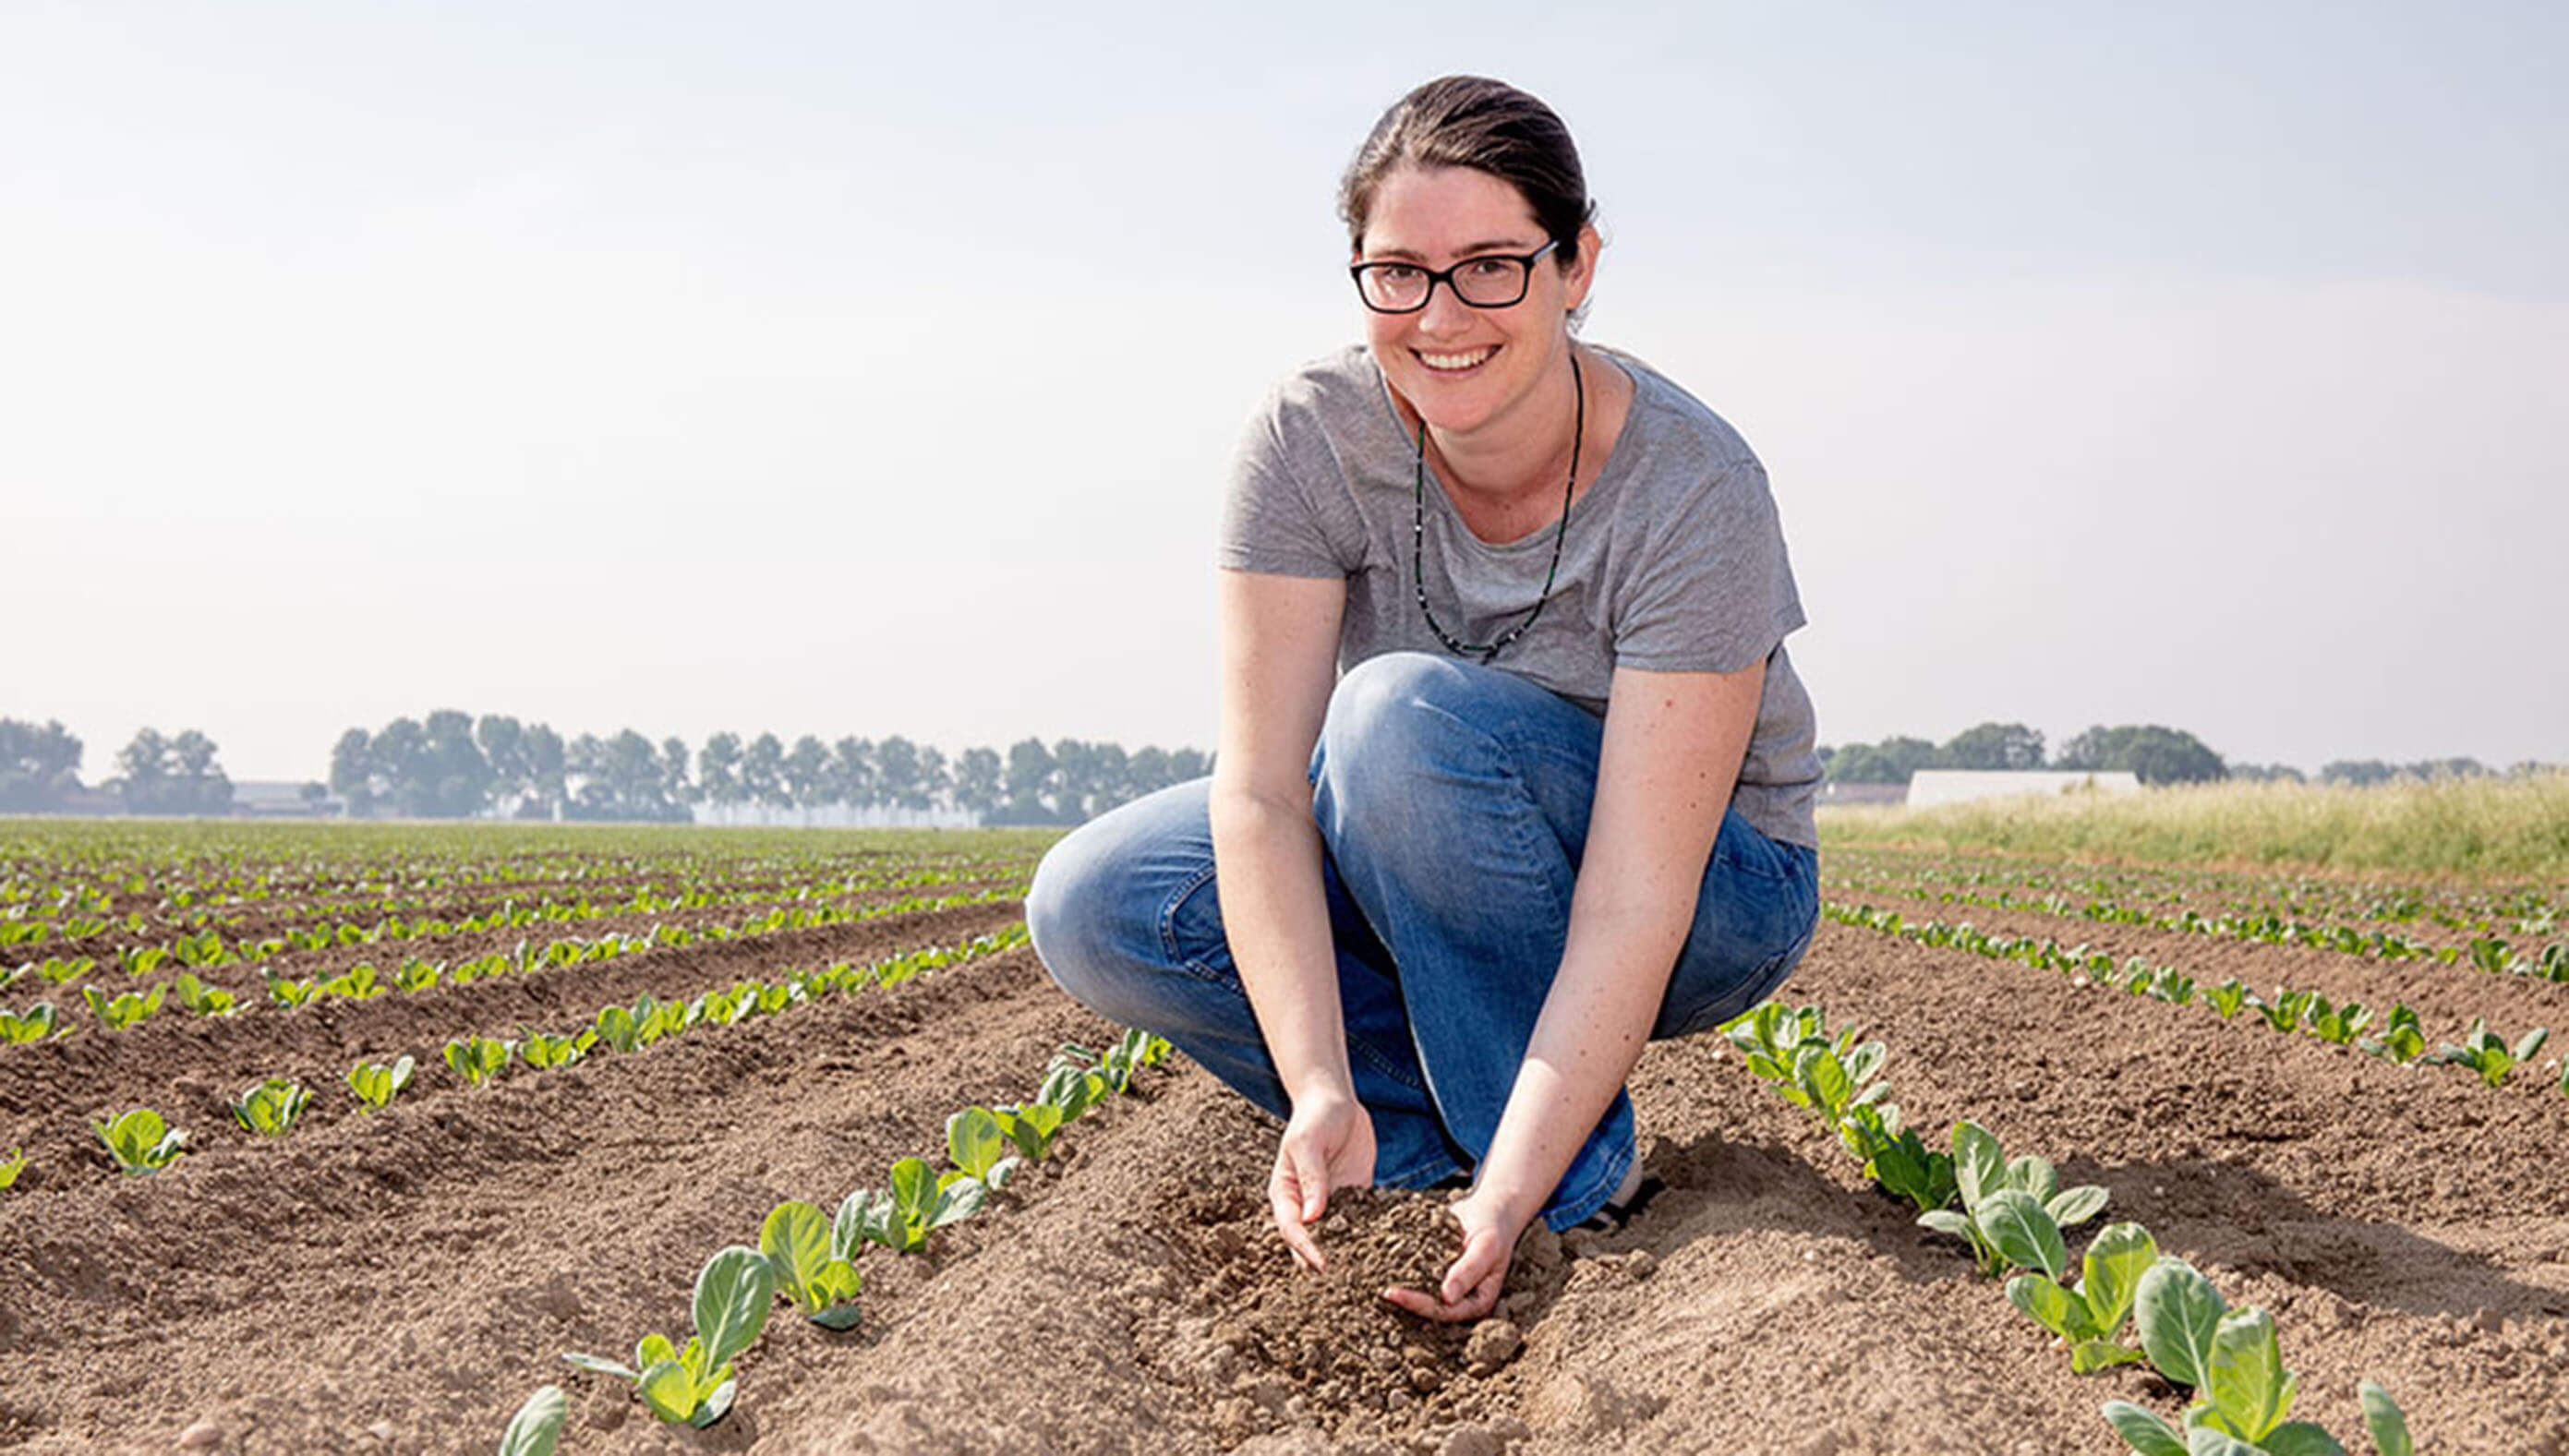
x=1488, y=126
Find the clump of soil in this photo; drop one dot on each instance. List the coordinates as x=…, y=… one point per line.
x=1292, y=1346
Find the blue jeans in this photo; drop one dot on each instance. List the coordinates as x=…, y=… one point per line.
x=1452, y=800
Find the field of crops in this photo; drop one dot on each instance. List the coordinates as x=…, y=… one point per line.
x=340, y=1139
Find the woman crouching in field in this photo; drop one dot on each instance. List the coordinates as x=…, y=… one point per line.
x=1514, y=770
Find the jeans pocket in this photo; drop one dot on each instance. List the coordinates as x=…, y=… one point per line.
x=1191, y=928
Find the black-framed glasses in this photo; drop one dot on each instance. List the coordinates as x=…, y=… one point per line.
x=1493, y=280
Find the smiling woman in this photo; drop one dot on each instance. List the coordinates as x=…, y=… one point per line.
x=1515, y=773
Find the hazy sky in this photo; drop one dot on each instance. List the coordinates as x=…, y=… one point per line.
x=819, y=368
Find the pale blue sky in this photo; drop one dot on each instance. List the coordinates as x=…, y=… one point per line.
x=814, y=369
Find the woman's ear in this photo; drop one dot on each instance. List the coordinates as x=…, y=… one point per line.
x=1582, y=274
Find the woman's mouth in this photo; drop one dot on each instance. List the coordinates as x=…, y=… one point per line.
x=1453, y=364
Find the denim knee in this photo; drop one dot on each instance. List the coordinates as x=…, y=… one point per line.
x=1066, y=906
x=1385, y=724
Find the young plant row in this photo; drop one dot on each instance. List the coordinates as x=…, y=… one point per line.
x=2012, y=1214
x=2489, y=952
x=363, y=980
x=203, y=946
x=810, y=1259
x=2399, y=1037
x=2520, y=911
x=141, y=1141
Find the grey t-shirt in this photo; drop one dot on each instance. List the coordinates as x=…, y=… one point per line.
x=1674, y=563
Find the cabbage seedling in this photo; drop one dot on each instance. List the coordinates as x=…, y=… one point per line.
x=38, y=1022
x=917, y=1204
x=537, y=1427
x=2089, y=1318
x=419, y=975
x=11, y=1167
x=2481, y=1051
x=978, y=1147
x=544, y=1053
x=271, y=1108
x=140, y=1142
x=2031, y=1225
x=694, y=1384
x=2401, y=1039
x=126, y=1009
x=2246, y=1393
x=202, y=1000
x=478, y=1059
x=2383, y=1420
x=1031, y=1126
x=285, y=990
x=375, y=1084
x=2229, y=996
x=1071, y=1086
x=798, y=1244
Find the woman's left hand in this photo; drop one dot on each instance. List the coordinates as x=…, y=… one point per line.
x=1473, y=1281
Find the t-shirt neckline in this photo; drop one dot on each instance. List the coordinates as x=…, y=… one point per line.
x=1618, y=457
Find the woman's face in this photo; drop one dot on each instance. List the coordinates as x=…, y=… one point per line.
x=1464, y=368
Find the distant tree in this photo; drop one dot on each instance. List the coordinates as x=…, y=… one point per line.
x=314, y=794
x=1186, y=765
x=852, y=773
x=1147, y=772
x=157, y=775
x=762, y=773
x=978, y=785
x=1890, y=761
x=897, y=774
x=39, y=766
x=141, y=768
x=805, y=772
x=2269, y=772
x=458, y=777
x=502, y=742
x=352, y=772
x=1030, y=775
x=674, y=788
x=547, y=774
x=2154, y=754
x=2011, y=746
x=718, y=772
x=936, y=779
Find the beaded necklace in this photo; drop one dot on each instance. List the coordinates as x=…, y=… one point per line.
x=1418, y=533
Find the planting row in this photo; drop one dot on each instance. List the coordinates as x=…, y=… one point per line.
x=141, y=1141
x=2485, y=953
x=2522, y=910
x=2011, y=1214
x=43, y=1020
x=811, y=1259
x=2397, y=1037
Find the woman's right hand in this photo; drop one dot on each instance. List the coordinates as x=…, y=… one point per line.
x=1327, y=1144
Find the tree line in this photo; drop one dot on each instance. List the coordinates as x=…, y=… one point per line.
x=450, y=765
x=40, y=773
x=2148, y=750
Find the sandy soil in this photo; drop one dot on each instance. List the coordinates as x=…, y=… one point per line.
x=398, y=1282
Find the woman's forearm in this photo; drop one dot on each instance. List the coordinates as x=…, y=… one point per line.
x=1613, y=974
x=1274, y=912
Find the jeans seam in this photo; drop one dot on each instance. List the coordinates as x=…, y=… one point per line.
x=1169, y=928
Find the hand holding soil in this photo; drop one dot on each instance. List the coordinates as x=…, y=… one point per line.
x=1328, y=1145
x=1470, y=1286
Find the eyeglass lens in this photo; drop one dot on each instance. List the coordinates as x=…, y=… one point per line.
x=1482, y=282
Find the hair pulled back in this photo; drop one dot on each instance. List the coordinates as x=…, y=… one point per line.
x=1488, y=126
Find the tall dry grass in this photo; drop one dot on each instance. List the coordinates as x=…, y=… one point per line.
x=2493, y=827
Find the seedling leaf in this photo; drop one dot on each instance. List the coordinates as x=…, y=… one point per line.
x=2383, y=1417
x=2142, y=1431
x=2249, y=1391
x=538, y=1425
x=2300, y=1438
x=2021, y=1231
x=2178, y=1309
x=733, y=1295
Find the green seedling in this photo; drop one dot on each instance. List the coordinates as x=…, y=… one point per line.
x=800, y=1247
x=917, y=1204
x=201, y=998
x=376, y=1084
x=420, y=975
x=2339, y=1026
x=356, y=983
x=64, y=972
x=2029, y=1226
x=285, y=990
x=140, y=959
x=544, y=1053
x=2089, y=1318
x=2383, y=1421
x=1031, y=1126
x=34, y=1024
x=695, y=1384
x=1071, y=1086
x=537, y=1427
x=1132, y=1051
x=271, y=1108
x=11, y=1167
x=126, y=1009
x=478, y=1059
x=2481, y=1051
x=2284, y=1014
x=2245, y=1395
x=2177, y=1311
x=2228, y=997
x=2401, y=1039
x=140, y=1142
x=975, y=1140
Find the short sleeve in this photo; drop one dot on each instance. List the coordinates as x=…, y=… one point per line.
x=1713, y=590
x=1269, y=523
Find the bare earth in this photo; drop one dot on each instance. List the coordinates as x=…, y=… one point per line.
x=399, y=1283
